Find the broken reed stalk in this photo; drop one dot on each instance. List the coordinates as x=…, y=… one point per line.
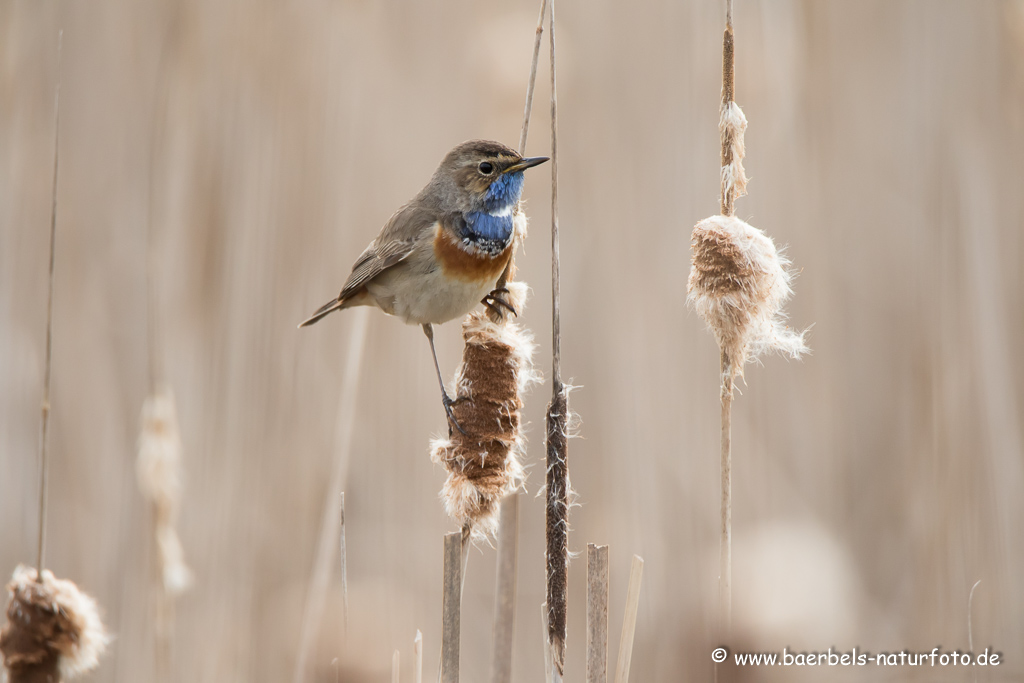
x=738, y=284
x=505, y=589
x=508, y=514
x=451, y=607
x=417, y=651
x=330, y=523
x=557, y=419
x=597, y=613
x=44, y=429
x=636, y=573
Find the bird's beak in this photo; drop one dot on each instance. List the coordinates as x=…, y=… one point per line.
x=523, y=164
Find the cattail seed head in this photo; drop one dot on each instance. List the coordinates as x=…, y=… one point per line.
x=738, y=285
x=158, y=468
x=484, y=464
x=53, y=630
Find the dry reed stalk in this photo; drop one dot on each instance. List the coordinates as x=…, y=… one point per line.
x=451, y=607
x=343, y=561
x=636, y=573
x=330, y=522
x=394, y=667
x=417, y=650
x=44, y=429
x=508, y=515
x=738, y=284
x=484, y=459
x=53, y=631
x=597, y=613
x=558, y=491
x=505, y=589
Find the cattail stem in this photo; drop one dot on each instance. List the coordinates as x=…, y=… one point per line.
x=44, y=435
x=505, y=589
x=725, y=557
x=597, y=613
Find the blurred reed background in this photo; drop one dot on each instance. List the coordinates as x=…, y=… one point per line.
x=874, y=482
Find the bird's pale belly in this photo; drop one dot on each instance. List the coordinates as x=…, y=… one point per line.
x=430, y=297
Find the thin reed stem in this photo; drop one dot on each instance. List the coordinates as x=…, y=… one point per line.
x=343, y=561
x=330, y=522
x=533, y=77
x=725, y=558
x=44, y=436
x=395, y=659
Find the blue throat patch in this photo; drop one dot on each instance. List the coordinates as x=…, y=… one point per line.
x=492, y=232
x=504, y=191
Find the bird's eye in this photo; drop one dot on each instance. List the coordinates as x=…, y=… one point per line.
x=486, y=167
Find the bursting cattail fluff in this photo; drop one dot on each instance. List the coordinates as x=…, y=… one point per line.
x=53, y=630
x=158, y=468
x=738, y=285
x=732, y=126
x=484, y=464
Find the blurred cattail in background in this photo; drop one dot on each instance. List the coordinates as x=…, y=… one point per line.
x=484, y=459
x=53, y=631
x=158, y=468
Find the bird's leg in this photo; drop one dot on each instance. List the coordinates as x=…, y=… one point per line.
x=428, y=330
x=494, y=300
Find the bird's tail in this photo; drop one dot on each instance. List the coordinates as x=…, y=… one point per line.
x=329, y=307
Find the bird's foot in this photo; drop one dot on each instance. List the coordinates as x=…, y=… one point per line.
x=495, y=302
x=447, y=401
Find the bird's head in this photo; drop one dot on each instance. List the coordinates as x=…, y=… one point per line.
x=481, y=175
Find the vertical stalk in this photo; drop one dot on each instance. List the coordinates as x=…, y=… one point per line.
x=557, y=507
x=44, y=436
x=597, y=613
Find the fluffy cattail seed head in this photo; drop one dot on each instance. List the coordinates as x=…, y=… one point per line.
x=738, y=285
x=158, y=468
x=53, y=630
x=484, y=464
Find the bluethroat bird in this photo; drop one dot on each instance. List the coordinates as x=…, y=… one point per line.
x=447, y=249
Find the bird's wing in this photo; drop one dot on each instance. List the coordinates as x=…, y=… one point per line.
x=393, y=245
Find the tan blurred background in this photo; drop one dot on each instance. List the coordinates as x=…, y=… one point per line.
x=875, y=481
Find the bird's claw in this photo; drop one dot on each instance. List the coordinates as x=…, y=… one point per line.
x=447, y=401
x=494, y=301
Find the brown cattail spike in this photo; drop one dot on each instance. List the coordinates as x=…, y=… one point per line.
x=53, y=630
x=484, y=463
x=559, y=494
